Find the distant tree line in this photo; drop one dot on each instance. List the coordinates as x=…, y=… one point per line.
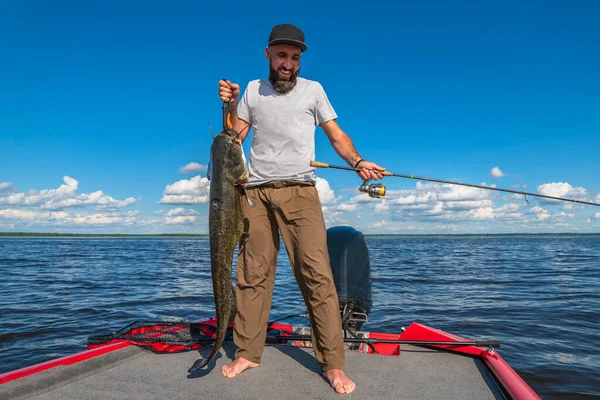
x=116, y=235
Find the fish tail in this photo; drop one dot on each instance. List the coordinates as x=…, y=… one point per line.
x=221, y=332
x=201, y=362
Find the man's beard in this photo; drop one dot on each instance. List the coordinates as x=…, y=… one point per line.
x=280, y=85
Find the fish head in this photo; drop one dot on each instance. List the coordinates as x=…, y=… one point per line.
x=228, y=145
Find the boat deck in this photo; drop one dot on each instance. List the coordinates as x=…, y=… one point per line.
x=286, y=372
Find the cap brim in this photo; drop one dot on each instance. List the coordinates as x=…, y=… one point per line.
x=293, y=42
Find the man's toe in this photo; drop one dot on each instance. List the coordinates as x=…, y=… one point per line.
x=349, y=387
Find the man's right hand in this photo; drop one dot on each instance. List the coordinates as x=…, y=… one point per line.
x=229, y=92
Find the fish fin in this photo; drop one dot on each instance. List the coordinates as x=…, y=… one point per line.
x=209, y=167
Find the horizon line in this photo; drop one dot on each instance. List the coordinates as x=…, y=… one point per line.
x=204, y=235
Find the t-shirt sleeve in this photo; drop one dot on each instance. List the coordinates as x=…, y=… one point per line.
x=243, y=108
x=324, y=109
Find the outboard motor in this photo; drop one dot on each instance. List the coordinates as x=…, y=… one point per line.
x=349, y=258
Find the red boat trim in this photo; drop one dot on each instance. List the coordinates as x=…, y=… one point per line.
x=385, y=349
x=516, y=387
x=157, y=347
x=416, y=331
x=510, y=380
x=67, y=360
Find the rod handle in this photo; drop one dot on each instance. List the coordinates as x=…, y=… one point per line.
x=319, y=164
x=227, y=114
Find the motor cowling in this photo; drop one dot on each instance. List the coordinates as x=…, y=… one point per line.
x=349, y=259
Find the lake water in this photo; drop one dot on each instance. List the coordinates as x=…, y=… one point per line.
x=538, y=296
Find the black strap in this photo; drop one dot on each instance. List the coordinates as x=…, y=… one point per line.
x=358, y=162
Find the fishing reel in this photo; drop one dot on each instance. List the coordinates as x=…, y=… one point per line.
x=375, y=190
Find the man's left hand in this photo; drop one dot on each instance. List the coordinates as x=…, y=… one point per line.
x=369, y=170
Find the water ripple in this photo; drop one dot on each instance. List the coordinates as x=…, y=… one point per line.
x=537, y=295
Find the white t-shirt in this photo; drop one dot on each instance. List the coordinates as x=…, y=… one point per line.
x=283, y=142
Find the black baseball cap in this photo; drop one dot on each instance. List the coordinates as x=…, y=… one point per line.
x=287, y=34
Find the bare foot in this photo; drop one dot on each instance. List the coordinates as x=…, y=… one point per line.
x=339, y=381
x=238, y=366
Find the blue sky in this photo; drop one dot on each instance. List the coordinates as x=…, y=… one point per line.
x=104, y=103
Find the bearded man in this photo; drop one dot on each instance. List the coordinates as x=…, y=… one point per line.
x=283, y=112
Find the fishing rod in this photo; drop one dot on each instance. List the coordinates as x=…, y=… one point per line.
x=377, y=190
x=372, y=341
x=368, y=341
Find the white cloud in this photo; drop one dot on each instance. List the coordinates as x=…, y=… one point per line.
x=180, y=219
x=597, y=215
x=428, y=198
x=181, y=216
x=187, y=191
x=510, y=212
x=416, y=198
x=5, y=186
x=364, y=198
x=181, y=211
x=383, y=206
x=468, y=204
x=483, y=213
x=563, y=215
x=63, y=197
x=379, y=224
x=427, y=202
x=540, y=213
x=452, y=192
x=598, y=198
x=496, y=173
x=333, y=217
x=39, y=217
x=434, y=207
x=446, y=227
x=326, y=193
x=561, y=189
x=346, y=207
x=192, y=167
x=431, y=202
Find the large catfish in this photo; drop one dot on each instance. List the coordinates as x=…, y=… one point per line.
x=227, y=174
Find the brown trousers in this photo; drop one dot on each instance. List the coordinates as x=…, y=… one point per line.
x=296, y=212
